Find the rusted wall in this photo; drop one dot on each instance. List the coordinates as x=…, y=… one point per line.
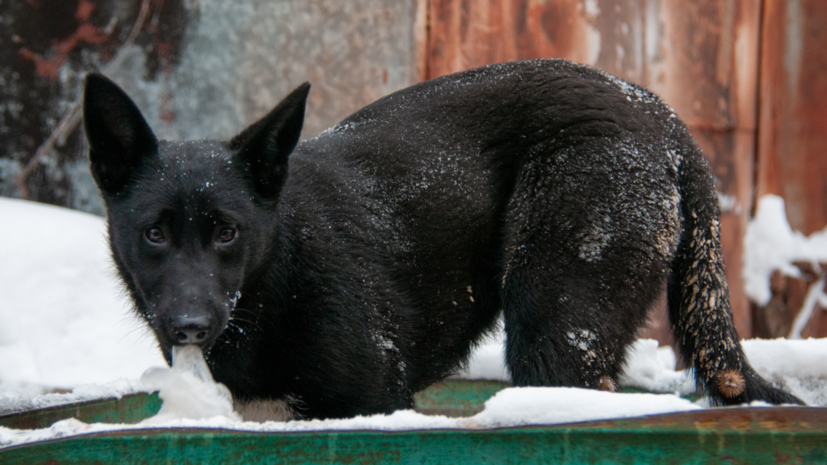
x=43, y=44
x=777, y=318
x=700, y=56
x=469, y=33
x=792, y=141
x=197, y=69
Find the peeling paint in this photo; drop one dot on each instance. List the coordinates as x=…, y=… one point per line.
x=198, y=69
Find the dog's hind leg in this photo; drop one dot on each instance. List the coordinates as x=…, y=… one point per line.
x=551, y=341
x=583, y=260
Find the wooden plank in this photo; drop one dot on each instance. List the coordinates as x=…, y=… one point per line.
x=793, y=115
x=700, y=56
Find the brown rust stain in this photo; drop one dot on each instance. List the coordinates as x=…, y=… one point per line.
x=788, y=295
x=793, y=114
x=465, y=34
x=48, y=66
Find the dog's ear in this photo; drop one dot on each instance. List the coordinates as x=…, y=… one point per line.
x=263, y=148
x=118, y=135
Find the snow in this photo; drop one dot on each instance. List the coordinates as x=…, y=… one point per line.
x=551, y=406
x=66, y=324
x=63, y=319
x=771, y=244
x=652, y=368
x=798, y=365
x=188, y=389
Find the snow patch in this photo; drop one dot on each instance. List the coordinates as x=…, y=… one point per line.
x=799, y=366
x=550, y=406
x=188, y=389
x=64, y=318
x=652, y=368
x=771, y=244
x=487, y=359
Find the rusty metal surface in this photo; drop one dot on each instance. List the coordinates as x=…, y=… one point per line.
x=701, y=56
x=792, y=138
x=788, y=295
x=457, y=398
x=720, y=420
x=42, y=46
x=793, y=113
x=469, y=33
x=198, y=69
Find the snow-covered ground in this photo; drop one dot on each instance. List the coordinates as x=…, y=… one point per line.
x=64, y=320
x=64, y=323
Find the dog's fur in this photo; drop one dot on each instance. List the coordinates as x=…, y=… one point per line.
x=549, y=192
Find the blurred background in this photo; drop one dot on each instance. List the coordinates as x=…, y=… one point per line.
x=749, y=78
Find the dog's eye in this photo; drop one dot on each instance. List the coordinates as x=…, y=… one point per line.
x=226, y=235
x=155, y=235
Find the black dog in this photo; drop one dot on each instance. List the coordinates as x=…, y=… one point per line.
x=546, y=191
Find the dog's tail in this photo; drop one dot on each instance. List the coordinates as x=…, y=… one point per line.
x=699, y=306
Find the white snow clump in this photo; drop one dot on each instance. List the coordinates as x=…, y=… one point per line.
x=188, y=389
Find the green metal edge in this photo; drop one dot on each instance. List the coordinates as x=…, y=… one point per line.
x=452, y=398
x=128, y=409
x=457, y=398
x=727, y=435
x=571, y=445
x=724, y=435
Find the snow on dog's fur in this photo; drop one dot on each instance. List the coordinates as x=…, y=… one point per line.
x=340, y=275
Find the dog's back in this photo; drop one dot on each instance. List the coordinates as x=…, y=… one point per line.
x=551, y=192
x=501, y=181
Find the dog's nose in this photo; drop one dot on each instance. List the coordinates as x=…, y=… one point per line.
x=190, y=329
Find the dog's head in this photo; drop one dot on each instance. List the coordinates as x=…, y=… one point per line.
x=189, y=222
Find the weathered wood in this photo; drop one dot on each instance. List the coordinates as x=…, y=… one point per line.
x=469, y=33
x=791, y=139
